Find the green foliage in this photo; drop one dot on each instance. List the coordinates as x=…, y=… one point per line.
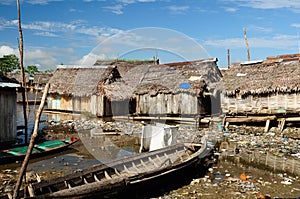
x=31, y=70
x=8, y=63
x=49, y=71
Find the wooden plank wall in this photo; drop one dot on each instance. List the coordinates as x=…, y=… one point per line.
x=275, y=103
x=8, y=116
x=181, y=103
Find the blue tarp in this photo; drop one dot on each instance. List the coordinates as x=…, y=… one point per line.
x=185, y=85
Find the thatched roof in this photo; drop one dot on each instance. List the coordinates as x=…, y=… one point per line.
x=124, y=88
x=18, y=77
x=86, y=81
x=180, y=77
x=131, y=73
x=268, y=76
x=42, y=78
x=75, y=81
x=136, y=77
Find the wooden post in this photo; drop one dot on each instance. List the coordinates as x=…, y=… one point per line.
x=31, y=144
x=247, y=46
x=282, y=125
x=267, y=126
x=226, y=125
x=24, y=91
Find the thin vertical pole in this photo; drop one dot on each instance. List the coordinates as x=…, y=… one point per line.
x=228, y=57
x=247, y=45
x=31, y=144
x=24, y=91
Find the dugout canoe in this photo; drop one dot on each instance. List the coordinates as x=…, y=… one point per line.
x=44, y=148
x=115, y=177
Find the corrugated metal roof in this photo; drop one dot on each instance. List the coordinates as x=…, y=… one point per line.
x=10, y=85
x=7, y=82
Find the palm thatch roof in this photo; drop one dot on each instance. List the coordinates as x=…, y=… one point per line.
x=131, y=72
x=75, y=81
x=180, y=77
x=124, y=88
x=267, y=76
x=18, y=77
x=42, y=78
x=86, y=81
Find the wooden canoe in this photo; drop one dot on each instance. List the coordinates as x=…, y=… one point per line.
x=119, y=175
x=40, y=149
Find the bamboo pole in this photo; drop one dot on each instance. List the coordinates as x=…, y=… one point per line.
x=32, y=142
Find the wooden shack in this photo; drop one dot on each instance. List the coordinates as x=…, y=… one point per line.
x=181, y=88
x=8, y=107
x=270, y=86
x=40, y=80
x=95, y=90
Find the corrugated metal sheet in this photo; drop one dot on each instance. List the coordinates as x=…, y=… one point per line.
x=10, y=85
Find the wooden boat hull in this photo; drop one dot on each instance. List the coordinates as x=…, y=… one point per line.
x=41, y=149
x=125, y=175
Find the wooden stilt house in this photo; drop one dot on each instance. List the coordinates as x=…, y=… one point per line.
x=101, y=90
x=182, y=88
x=8, y=107
x=270, y=86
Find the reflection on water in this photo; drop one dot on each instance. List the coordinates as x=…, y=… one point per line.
x=31, y=113
x=66, y=164
x=106, y=148
x=94, y=147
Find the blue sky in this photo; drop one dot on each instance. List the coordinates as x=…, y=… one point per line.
x=69, y=31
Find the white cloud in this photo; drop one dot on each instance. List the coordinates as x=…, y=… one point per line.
x=295, y=25
x=178, y=9
x=121, y=4
x=267, y=4
x=7, y=2
x=136, y=1
x=52, y=29
x=46, y=58
x=7, y=50
x=42, y=57
x=259, y=28
x=90, y=59
x=117, y=9
x=45, y=34
x=231, y=9
x=40, y=2
x=277, y=41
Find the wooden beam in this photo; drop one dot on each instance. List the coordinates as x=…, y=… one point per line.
x=250, y=119
x=292, y=119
